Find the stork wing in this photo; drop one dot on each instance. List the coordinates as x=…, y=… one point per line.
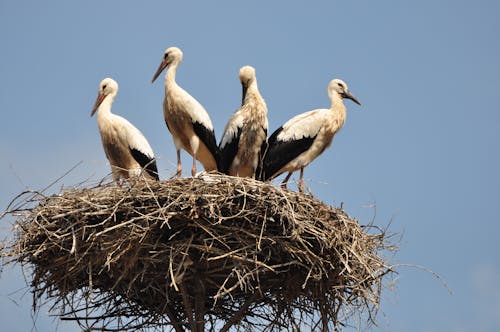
x=290, y=140
x=207, y=136
x=306, y=124
x=140, y=149
x=230, y=140
x=279, y=153
x=149, y=164
x=202, y=125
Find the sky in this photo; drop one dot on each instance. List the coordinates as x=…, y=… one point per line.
x=420, y=154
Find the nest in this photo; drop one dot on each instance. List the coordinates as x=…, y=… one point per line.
x=207, y=253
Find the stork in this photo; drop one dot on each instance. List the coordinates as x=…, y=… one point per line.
x=186, y=119
x=126, y=148
x=304, y=137
x=245, y=135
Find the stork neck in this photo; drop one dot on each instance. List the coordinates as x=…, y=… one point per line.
x=253, y=86
x=105, y=107
x=252, y=90
x=171, y=73
x=336, y=102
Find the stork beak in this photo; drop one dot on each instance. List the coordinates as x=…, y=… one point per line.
x=244, y=93
x=98, y=101
x=162, y=66
x=348, y=95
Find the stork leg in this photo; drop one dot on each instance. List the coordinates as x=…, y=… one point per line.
x=116, y=175
x=193, y=169
x=285, y=181
x=179, y=165
x=301, y=180
x=194, y=142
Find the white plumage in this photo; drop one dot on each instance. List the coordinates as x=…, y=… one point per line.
x=304, y=137
x=303, y=125
x=186, y=119
x=126, y=148
x=233, y=126
x=245, y=134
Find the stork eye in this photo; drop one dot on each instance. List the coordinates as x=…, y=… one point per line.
x=340, y=84
x=104, y=87
x=165, y=56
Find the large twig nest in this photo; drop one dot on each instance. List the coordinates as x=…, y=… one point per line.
x=212, y=252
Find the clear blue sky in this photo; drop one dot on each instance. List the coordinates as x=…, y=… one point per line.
x=424, y=147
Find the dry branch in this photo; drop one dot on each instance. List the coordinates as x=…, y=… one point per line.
x=206, y=253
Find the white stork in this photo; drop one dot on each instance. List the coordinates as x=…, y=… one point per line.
x=125, y=146
x=186, y=119
x=304, y=137
x=245, y=136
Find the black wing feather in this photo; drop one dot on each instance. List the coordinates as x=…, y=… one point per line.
x=147, y=163
x=208, y=138
x=228, y=152
x=279, y=153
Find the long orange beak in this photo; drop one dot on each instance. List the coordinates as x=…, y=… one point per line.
x=98, y=101
x=162, y=66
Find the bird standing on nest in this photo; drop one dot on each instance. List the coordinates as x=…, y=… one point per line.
x=245, y=135
x=304, y=137
x=186, y=119
x=126, y=148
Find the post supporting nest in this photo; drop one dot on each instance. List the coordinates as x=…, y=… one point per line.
x=208, y=253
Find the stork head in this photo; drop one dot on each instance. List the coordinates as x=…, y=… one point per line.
x=340, y=88
x=172, y=54
x=247, y=76
x=107, y=87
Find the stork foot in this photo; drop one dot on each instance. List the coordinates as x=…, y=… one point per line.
x=301, y=186
x=177, y=174
x=179, y=166
x=193, y=169
x=285, y=181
